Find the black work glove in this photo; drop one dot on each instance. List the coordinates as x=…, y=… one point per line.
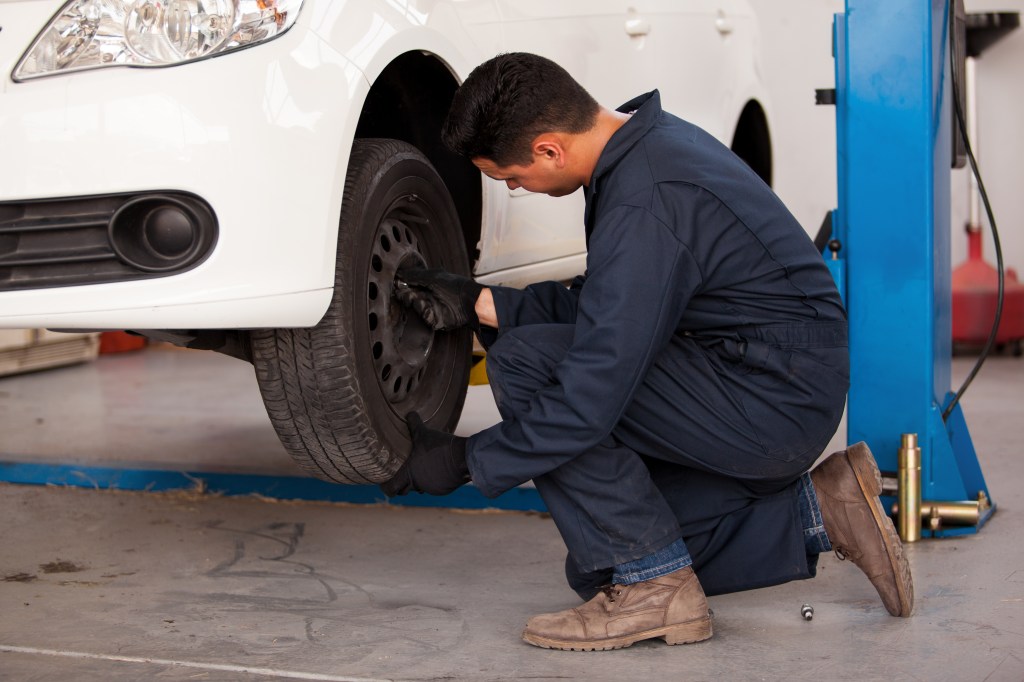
x=444, y=301
x=436, y=465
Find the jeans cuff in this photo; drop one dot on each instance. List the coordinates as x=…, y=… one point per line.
x=815, y=538
x=666, y=560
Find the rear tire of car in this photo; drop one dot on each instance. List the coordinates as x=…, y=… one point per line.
x=338, y=393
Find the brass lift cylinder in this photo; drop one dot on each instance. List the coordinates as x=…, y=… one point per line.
x=938, y=515
x=909, y=518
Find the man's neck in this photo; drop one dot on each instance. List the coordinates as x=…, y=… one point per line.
x=592, y=143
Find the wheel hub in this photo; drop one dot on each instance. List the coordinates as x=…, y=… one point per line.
x=400, y=341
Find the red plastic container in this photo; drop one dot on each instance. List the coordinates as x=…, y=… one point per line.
x=120, y=342
x=975, y=293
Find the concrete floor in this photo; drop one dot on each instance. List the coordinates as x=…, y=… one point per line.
x=102, y=585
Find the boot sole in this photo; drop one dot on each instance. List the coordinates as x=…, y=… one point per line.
x=870, y=480
x=681, y=633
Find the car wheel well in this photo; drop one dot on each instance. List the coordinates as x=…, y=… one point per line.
x=752, y=141
x=409, y=102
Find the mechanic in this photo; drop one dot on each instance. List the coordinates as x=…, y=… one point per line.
x=669, y=403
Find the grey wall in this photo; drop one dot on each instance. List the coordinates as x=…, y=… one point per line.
x=797, y=36
x=1000, y=145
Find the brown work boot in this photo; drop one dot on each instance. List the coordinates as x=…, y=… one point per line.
x=848, y=484
x=672, y=607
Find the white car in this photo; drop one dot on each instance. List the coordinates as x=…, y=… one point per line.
x=246, y=176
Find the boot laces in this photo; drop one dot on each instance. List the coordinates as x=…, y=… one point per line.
x=611, y=591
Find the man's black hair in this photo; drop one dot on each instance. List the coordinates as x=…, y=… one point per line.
x=511, y=99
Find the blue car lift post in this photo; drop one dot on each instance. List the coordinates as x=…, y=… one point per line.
x=894, y=117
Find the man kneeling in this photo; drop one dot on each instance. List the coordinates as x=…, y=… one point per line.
x=669, y=403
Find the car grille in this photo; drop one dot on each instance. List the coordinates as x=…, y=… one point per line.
x=112, y=238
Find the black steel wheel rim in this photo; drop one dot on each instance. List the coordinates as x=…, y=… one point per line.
x=401, y=343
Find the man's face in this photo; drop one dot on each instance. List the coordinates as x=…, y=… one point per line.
x=543, y=176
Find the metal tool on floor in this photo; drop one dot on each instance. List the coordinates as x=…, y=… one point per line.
x=914, y=514
x=909, y=517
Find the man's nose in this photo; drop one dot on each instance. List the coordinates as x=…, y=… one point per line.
x=512, y=184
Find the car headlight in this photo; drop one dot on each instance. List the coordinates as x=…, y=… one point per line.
x=90, y=34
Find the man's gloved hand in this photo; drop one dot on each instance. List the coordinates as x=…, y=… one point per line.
x=436, y=465
x=445, y=301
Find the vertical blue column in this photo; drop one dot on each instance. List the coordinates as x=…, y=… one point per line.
x=894, y=155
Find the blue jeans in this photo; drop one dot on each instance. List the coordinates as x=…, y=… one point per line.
x=675, y=556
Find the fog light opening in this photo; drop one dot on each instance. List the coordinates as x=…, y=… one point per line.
x=162, y=233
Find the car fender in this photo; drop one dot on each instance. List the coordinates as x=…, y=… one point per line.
x=459, y=35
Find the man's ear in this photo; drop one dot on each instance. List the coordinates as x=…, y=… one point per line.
x=549, y=148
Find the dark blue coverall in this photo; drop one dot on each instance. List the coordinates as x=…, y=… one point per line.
x=682, y=386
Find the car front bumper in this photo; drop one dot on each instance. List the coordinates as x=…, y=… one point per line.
x=262, y=135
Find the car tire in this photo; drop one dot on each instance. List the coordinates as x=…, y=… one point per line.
x=338, y=393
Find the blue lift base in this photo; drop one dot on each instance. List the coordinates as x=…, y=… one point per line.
x=275, y=487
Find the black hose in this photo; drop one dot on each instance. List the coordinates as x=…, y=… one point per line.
x=962, y=125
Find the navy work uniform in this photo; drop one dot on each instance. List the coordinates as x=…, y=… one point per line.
x=681, y=388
